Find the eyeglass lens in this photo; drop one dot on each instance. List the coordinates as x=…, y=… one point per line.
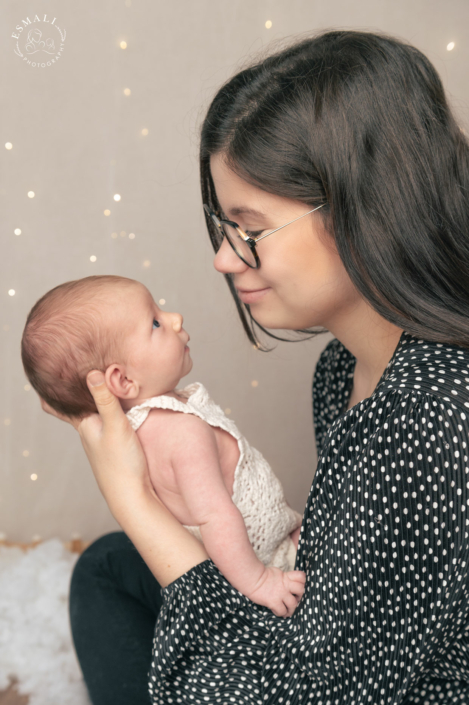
x=241, y=247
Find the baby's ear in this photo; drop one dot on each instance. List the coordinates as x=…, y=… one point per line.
x=119, y=384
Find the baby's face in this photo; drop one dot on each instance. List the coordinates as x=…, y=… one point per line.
x=155, y=341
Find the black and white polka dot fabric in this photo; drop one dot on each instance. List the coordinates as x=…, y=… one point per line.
x=384, y=544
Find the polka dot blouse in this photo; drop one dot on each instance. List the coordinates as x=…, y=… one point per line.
x=384, y=544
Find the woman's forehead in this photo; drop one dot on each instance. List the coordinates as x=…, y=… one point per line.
x=237, y=197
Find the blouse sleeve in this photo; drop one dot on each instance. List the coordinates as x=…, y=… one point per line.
x=204, y=626
x=387, y=554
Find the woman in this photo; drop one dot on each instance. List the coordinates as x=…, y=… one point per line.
x=356, y=123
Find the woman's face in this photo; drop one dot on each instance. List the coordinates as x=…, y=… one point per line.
x=301, y=282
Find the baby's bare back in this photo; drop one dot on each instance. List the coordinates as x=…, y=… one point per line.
x=192, y=467
x=159, y=434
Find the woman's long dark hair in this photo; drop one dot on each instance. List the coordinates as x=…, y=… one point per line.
x=358, y=120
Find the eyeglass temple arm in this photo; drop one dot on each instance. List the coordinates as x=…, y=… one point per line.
x=291, y=221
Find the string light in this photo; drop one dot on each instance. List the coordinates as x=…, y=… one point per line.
x=123, y=45
x=450, y=46
x=145, y=132
x=93, y=258
x=127, y=91
x=27, y=387
x=268, y=24
x=7, y=422
x=17, y=231
x=146, y=263
x=228, y=411
x=131, y=236
x=34, y=477
x=162, y=302
x=31, y=194
x=114, y=235
x=107, y=212
x=8, y=145
x=117, y=197
x=26, y=454
x=123, y=233
x=254, y=383
x=11, y=292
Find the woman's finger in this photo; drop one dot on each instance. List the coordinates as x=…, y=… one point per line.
x=75, y=422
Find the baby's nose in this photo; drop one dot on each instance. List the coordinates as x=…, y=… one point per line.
x=177, y=322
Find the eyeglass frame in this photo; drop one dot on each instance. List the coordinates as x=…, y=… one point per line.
x=250, y=241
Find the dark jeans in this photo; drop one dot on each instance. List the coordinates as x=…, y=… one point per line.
x=114, y=602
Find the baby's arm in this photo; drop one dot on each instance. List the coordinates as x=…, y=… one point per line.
x=197, y=469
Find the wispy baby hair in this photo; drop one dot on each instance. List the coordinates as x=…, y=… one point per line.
x=66, y=335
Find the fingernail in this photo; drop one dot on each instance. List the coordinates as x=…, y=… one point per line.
x=95, y=378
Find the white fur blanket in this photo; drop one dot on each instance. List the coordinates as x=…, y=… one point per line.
x=35, y=639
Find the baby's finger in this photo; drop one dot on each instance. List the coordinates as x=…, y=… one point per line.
x=295, y=587
x=291, y=604
x=297, y=575
x=280, y=609
x=297, y=592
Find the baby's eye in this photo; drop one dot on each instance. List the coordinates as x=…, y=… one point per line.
x=155, y=323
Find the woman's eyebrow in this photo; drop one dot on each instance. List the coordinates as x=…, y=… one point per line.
x=244, y=210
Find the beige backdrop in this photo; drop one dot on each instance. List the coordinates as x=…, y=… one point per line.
x=76, y=136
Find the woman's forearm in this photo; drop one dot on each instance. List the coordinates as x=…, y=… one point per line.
x=167, y=548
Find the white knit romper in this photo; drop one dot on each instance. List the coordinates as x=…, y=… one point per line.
x=257, y=492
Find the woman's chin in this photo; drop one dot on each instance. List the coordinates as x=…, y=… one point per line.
x=271, y=319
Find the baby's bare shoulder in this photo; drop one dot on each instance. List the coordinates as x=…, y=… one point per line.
x=167, y=427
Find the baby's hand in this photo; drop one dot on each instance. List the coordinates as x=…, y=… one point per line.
x=279, y=591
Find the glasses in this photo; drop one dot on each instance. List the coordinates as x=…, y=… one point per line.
x=244, y=244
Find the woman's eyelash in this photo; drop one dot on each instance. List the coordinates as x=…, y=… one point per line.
x=254, y=233
x=157, y=324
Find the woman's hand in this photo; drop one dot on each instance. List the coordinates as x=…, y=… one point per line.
x=120, y=467
x=111, y=445
x=113, y=449
x=68, y=419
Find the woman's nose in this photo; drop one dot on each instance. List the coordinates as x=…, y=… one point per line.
x=177, y=322
x=227, y=261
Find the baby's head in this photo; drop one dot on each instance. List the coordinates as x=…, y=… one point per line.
x=107, y=323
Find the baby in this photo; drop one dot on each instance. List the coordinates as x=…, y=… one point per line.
x=201, y=467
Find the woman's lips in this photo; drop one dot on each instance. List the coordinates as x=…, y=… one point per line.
x=253, y=295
